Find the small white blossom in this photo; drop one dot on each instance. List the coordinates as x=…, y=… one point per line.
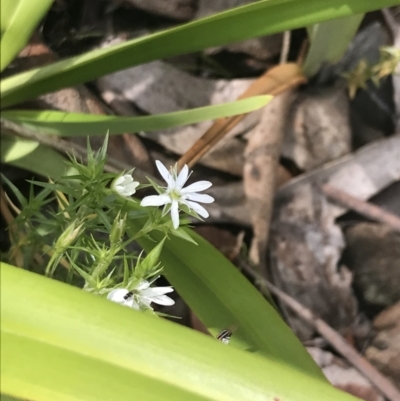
x=142, y=296
x=176, y=195
x=124, y=185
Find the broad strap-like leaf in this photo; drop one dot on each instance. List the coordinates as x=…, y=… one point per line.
x=256, y=19
x=60, y=343
x=18, y=20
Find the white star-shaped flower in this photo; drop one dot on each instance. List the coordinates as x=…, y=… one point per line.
x=141, y=297
x=124, y=185
x=176, y=195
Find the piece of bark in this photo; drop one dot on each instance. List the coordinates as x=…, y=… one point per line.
x=260, y=172
x=230, y=204
x=160, y=88
x=366, y=209
x=262, y=48
x=384, y=350
x=362, y=174
x=208, y=7
x=373, y=254
x=388, y=198
x=393, y=21
x=306, y=244
x=182, y=10
x=338, y=342
x=343, y=376
x=321, y=128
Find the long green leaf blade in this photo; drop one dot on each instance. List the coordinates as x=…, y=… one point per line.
x=18, y=20
x=261, y=18
x=221, y=297
x=60, y=343
x=32, y=156
x=329, y=40
x=75, y=124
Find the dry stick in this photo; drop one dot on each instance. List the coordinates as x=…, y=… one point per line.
x=385, y=386
x=273, y=82
x=112, y=166
x=366, y=208
x=285, y=47
x=260, y=173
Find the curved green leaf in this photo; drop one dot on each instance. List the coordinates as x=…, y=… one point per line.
x=60, y=343
x=260, y=18
x=223, y=298
x=32, y=156
x=18, y=20
x=329, y=40
x=75, y=124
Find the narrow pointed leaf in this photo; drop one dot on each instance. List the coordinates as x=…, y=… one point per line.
x=33, y=157
x=256, y=19
x=76, y=124
x=18, y=20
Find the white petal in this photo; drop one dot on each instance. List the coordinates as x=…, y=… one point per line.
x=198, y=209
x=163, y=300
x=182, y=177
x=156, y=294
x=155, y=200
x=175, y=214
x=156, y=291
x=118, y=297
x=146, y=302
x=200, y=198
x=135, y=305
x=128, y=189
x=122, y=180
x=131, y=187
x=165, y=173
x=124, y=185
x=196, y=187
x=143, y=285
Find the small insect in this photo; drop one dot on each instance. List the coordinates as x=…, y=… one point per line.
x=224, y=336
x=128, y=295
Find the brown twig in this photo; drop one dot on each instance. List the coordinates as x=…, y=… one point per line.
x=365, y=208
x=285, y=47
x=275, y=81
x=384, y=385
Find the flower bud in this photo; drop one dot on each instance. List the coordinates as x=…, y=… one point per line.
x=118, y=230
x=124, y=185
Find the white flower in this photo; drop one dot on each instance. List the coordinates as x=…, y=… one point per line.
x=142, y=296
x=175, y=194
x=124, y=185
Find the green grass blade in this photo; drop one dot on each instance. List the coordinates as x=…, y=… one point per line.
x=75, y=124
x=222, y=298
x=329, y=40
x=32, y=156
x=60, y=343
x=260, y=18
x=18, y=20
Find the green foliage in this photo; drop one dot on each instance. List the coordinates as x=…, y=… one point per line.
x=260, y=18
x=363, y=72
x=18, y=20
x=32, y=156
x=59, y=343
x=329, y=40
x=76, y=124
